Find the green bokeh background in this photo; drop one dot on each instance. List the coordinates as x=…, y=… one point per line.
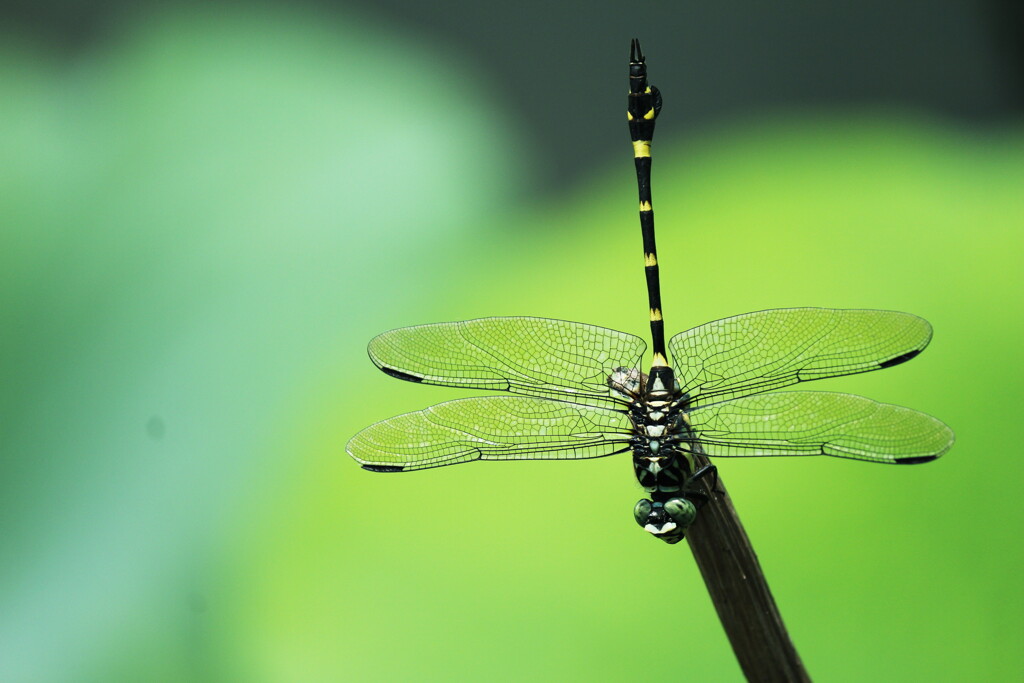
x=204, y=221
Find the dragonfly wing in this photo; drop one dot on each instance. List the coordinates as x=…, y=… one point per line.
x=490, y=428
x=531, y=356
x=768, y=350
x=819, y=423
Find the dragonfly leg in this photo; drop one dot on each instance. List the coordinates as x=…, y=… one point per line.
x=699, y=497
x=704, y=472
x=698, y=493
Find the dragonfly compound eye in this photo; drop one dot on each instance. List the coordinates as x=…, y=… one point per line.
x=642, y=511
x=681, y=511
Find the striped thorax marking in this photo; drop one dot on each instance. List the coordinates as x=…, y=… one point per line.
x=660, y=459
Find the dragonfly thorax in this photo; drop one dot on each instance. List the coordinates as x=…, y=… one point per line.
x=661, y=446
x=660, y=453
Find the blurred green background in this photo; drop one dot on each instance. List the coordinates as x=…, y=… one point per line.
x=206, y=213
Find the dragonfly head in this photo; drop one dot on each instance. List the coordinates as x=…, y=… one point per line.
x=667, y=521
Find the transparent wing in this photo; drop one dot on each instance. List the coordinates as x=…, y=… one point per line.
x=768, y=350
x=532, y=356
x=490, y=428
x=820, y=423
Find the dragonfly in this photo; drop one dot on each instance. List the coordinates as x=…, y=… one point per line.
x=574, y=391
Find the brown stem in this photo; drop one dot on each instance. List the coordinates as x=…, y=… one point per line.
x=740, y=592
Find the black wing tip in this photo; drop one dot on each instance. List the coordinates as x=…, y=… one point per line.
x=384, y=468
x=902, y=358
x=398, y=374
x=916, y=460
